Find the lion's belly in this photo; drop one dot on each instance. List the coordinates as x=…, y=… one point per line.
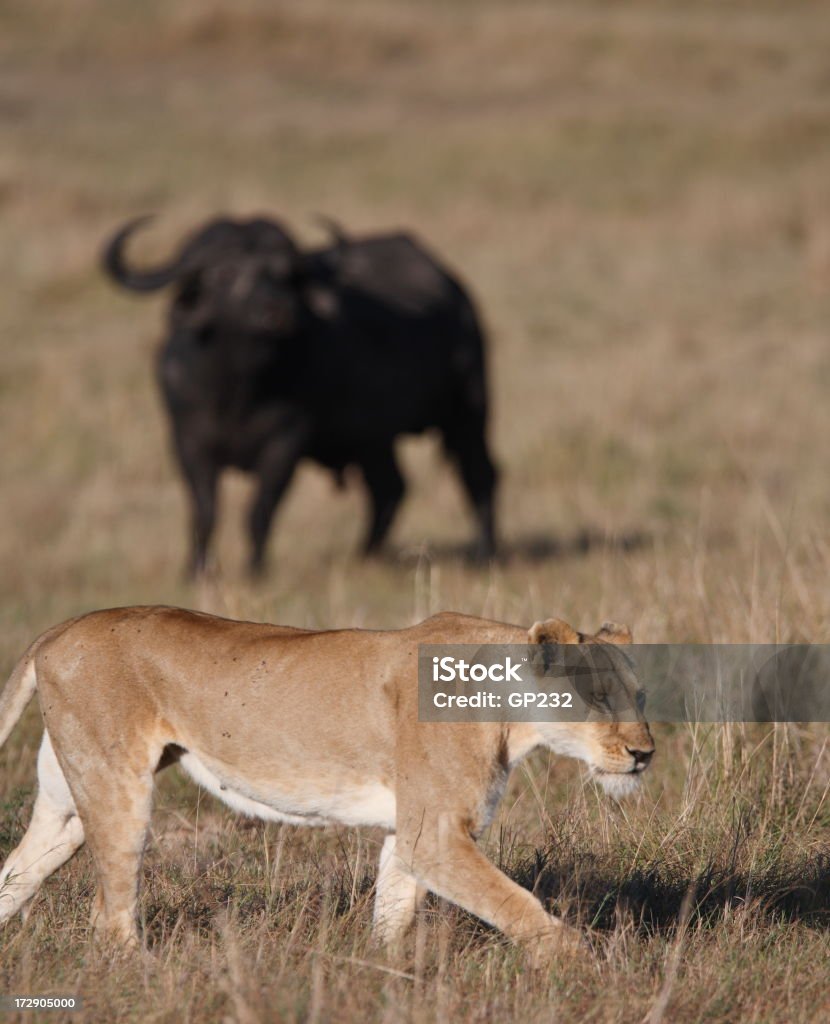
x=346, y=803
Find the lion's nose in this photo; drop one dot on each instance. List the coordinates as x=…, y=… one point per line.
x=641, y=758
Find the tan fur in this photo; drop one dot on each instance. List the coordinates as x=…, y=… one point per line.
x=288, y=724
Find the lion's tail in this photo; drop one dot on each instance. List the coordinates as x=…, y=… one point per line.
x=18, y=692
x=21, y=685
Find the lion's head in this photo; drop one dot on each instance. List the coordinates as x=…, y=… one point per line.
x=614, y=740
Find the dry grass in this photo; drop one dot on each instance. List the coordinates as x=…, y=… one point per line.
x=638, y=194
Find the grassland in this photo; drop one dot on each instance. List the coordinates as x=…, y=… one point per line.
x=639, y=194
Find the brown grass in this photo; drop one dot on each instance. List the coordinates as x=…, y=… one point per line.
x=639, y=195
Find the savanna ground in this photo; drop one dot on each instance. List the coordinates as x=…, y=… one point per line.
x=639, y=195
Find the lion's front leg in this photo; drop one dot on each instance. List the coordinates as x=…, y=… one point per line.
x=397, y=896
x=445, y=856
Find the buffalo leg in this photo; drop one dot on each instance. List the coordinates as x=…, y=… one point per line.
x=468, y=448
x=275, y=471
x=386, y=489
x=201, y=475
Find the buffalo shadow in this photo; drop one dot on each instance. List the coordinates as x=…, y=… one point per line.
x=529, y=548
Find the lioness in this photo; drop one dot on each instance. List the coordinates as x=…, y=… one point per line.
x=288, y=725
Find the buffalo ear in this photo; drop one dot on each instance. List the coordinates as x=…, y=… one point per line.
x=191, y=288
x=191, y=310
x=614, y=633
x=552, y=631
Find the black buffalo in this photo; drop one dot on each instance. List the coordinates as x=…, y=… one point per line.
x=274, y=354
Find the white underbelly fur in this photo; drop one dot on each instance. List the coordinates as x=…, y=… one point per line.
x=366, y=804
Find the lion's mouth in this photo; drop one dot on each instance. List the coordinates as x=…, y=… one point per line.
x=618, y=783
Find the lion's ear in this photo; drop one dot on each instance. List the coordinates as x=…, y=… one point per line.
x=552, y=631
x=614, y=633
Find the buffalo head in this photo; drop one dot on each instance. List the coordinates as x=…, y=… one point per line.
x=239, y=275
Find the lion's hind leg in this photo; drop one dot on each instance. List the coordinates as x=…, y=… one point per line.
x=116, y=823
x=54, y=834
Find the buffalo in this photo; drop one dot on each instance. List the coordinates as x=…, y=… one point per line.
x=275, y=354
